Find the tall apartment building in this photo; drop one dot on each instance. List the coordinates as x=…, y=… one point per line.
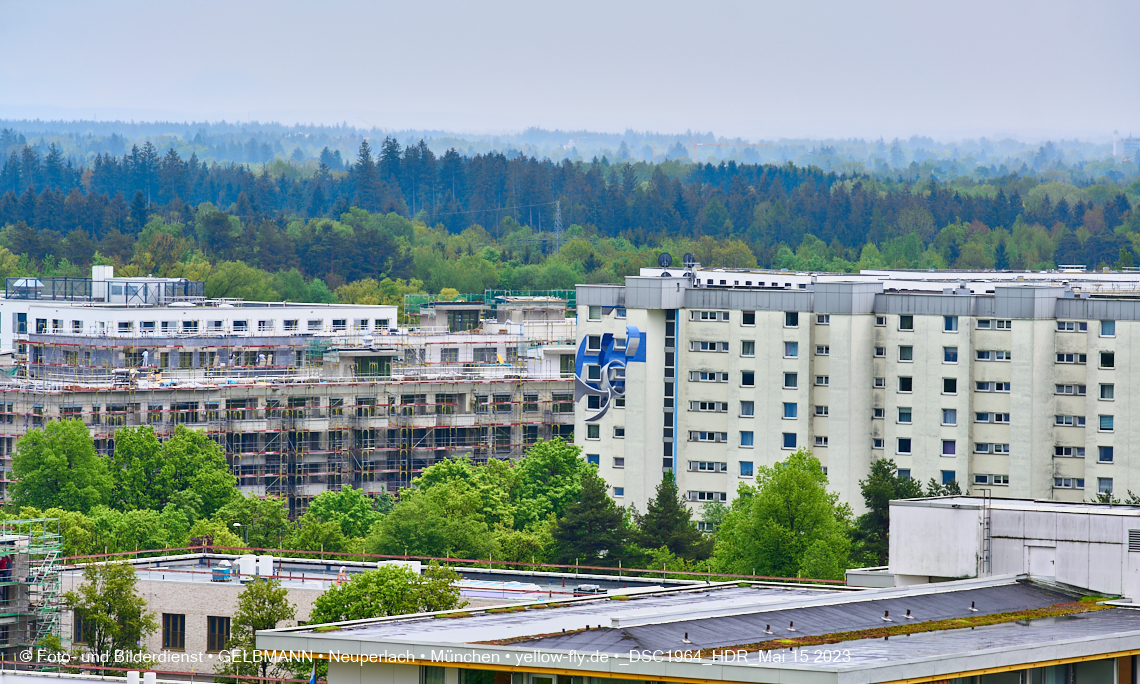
x=1020, y=384
x=303, y=397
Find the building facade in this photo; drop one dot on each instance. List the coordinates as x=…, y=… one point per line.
x=1016, y=383
x=303, y=397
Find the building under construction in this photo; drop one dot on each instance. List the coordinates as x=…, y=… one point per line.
x=30, y=593
x=303, y=397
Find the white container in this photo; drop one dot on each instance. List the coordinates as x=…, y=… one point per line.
x=247, y=565
x=132, y=677
x=150, y=677
x=265, y=566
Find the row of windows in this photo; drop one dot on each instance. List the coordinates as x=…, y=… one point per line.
x=267, y=325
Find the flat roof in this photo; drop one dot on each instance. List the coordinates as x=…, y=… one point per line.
x=972, y=503
x=682, y=634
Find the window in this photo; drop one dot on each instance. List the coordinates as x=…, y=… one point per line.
x=701, y=436
x=619, y=312
x=1107, y=392
x=983, y=355
x=709, y=315
x=1104, y=485
x=593, y=343
x=1076, y=390
x=1108, y=328
x=904, y=414
x=1067, y=451
x=822, y=350
x=1105, y=423
x=619, y=491
x=876, y=443
x=880, y=383
x=619, y=432
x=791, y=380
x=904, y=445
x=708, y=467
x=823, y=380
x=950, y=323
x=173, y=631
x=823, y=319
x=1001, y=449
x=748, y=348
x=880, y=352
x=878, y=413
x=1071, y=358
x=593, y=431
x=880, y=320
x=707, y=496
x=705, y=376
x=1005, y=325
x=984, y=324
x=949, y=355
x=748, y=318
x=949, y=385
x=1104, y=454
x=709, y=406
x=1002, y=355
x=789, y=440
x=619, y=461
x=746, y=438
x=241, y=326
x=747, y=378
x=949, y=447
x=906, y=322
x=906, y=354
x=593, y=458
x=1069, y=421
x=593, y=372
x=1068, y=483
x=1072, y=326
x=821, y=411
x=699, y=346
x=906, y=384
x=948, y=476
x=949, y=416
x=791, y=410
x=747, y=408
x=904, y=473
x=1001, y=387
x=746, y=469
x=594, y=313
x=791, y=350
x=217, y=633
x=791, y=319
x=982, y=447
x=1107, y=360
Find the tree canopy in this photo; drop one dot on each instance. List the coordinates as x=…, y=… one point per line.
x=57, y=467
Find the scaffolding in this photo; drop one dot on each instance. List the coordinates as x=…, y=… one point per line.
x=297, y=415
x=30, y=588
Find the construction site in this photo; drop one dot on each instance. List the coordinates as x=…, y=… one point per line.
x=31, y=600
x=302, y=404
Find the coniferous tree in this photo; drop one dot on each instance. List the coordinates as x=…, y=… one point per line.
x=669, y=522
x=882, y=485
x=592, y=532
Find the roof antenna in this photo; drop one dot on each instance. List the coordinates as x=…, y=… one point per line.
x=972, y=608
x=686, y=639
x=886, y=616
x=767, y=629
x=791, y=626
x=908, y=616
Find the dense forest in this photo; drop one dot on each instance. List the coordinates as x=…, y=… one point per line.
x=400, y=218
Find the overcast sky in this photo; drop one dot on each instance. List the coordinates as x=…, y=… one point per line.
x=757, y=69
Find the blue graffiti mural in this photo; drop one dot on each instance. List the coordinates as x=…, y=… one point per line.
x=601, y=372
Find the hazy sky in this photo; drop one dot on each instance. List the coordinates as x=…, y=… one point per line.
x=951, y=68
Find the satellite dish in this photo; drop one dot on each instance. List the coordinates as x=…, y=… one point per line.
x=689, y=260
x=665, y=260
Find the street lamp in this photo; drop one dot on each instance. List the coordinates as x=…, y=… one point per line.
x=246, y=532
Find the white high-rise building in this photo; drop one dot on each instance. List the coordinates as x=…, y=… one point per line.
x=1019, y=383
